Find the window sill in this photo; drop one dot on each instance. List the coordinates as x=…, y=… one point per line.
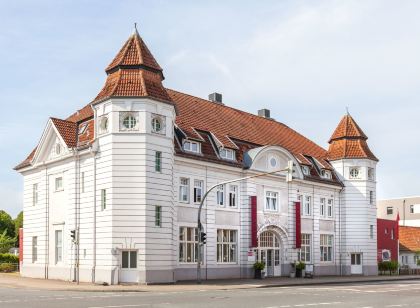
x=227, y=263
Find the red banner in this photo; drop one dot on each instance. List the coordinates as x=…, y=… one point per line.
x=297, y=225
x=20, y=245
x=254, y=223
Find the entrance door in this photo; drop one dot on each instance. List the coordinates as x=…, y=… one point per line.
x=269, y=253
x=356, y=264
x=129, y=272
x=269, y=264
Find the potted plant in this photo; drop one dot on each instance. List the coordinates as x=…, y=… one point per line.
x=293, y=270
x=259, y=267
x=300, y=266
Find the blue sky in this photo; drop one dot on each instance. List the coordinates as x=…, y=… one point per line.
x=304, y=60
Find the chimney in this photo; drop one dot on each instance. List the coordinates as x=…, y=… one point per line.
x=216, y=98
x=265, y=113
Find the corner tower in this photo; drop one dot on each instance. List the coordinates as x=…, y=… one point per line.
x=134, y=118
x=355, y=164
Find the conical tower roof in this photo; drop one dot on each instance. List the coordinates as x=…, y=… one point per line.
x=134, y=72
x=349, y=141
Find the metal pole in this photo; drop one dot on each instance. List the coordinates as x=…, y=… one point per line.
x=199, y=226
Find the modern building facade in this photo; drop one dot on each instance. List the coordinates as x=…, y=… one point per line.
x=111, y=193
x=408, y=209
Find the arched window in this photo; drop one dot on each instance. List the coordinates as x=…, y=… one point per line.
x=268, y=239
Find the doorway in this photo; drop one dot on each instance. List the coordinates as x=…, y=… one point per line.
x=356, y=264
x=269, y=253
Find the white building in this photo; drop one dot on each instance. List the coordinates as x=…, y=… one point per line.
x=408, y=209
x=128, y=171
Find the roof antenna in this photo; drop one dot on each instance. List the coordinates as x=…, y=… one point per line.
x=347, y=110
x=135, y=28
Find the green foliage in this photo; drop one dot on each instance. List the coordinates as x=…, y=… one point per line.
x=259, y=265
x=388, y=266
x=8, y=258
x=7, y=267
x=300, y=265
x=18, y=221
x=6, y=242
x=6, y=223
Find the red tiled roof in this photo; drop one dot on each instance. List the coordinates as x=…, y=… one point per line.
x=82, y=114
x=409, y=238
x=67, y=130
x=349, y=141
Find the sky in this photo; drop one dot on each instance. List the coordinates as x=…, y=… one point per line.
x=306, y=61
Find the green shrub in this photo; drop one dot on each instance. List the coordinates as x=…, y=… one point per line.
x=7, y=267
x=259, y=265
x=388, y=266
x=300, y=265
x=8, y=258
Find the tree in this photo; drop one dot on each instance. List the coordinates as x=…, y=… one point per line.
x=6, y=242
x=6, y=223
x=18, y=224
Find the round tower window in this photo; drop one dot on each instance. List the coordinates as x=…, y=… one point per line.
x=104, y=124
x=273, y=162
x=156, y=125
x=129, y=122
x=354, y=173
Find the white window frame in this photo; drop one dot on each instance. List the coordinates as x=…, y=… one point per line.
x=305, y=170
x=227, y=241
x=157, y=125
x=103, y=124
x=371, y=174
x=158, y=216
x=228, y=154
x=233, y=196
x=191, y=146
x=129, y=254
x=307, y=205
x=34, y=249
x=220, y=195
x=184, y=190
x=189, y=245
x=326, y=245
x=35, y=194
x=58, y=240
x=271, y=201
x=330, y=208
x=59, y=186
x=354, y=173
x=305, y=252
x=326, y=174
x=322, y=207
x=103, y=199
x=158, y=161
x=198, y=190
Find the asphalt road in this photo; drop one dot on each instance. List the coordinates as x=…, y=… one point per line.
x=381, y=295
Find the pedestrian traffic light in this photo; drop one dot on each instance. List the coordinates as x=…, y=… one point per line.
x=73, y=235
x=203, y=237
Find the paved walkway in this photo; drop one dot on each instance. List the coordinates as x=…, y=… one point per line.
x=14, y=280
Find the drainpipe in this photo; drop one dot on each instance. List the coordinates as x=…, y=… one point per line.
x=94, y=151
x=47, y=223
x=404, y=212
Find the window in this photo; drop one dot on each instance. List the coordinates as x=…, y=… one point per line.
x=233, y=195
x=188, y=244
x=103, y=124
x=322, y=207
x=57, y=149
x=34, y=249
x=158, y=161
x=392, y=233
x=304, y=254
x=354, y=173
x=330, y=206
x=103, y=199
x=220, y=194
x=34, y=194
x=82, y=129
x=58, y=184
x=307, y=207
x=184, y=189
x=58, y=246
x=271, y=200
x=198, y=190
x=371, y=174
x=128, y=259
x=273, y=162
x=227, y=154
x=370, y=197
x=389, y=210
x=158, y=216
x=326, y=245
x=226, y=246
x=386, y=230
x=129, y=121
x=82, y=182
x=305, y=170
x=191, y=146
x=371, y=231
x=326, y=174
x=412, y=209
x=156, y=124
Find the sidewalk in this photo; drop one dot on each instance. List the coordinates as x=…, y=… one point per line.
x=15, y=281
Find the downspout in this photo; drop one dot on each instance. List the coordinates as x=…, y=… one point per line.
x=47, y=233
x=93, y=151
x=404, y=212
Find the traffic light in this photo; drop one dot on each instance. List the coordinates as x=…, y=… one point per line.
x=73, y=235
x=203, y=238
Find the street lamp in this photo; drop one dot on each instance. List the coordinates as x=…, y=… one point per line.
x=289, y=170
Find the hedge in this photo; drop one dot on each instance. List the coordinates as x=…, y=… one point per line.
x=8, y=258
x=390, y=266
x=7, y=268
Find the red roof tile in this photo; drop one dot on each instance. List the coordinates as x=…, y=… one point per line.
x=67, y=130
x=409, y=238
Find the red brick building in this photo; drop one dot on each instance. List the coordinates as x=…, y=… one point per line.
x=387, y=239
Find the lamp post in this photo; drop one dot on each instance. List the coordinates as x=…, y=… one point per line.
x=289, y=170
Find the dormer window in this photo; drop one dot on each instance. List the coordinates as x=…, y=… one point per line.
x=326, y=174
x=191, y=146
x=82, y=129
x=305, y=170
x=227, y=154
x=354, y=173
